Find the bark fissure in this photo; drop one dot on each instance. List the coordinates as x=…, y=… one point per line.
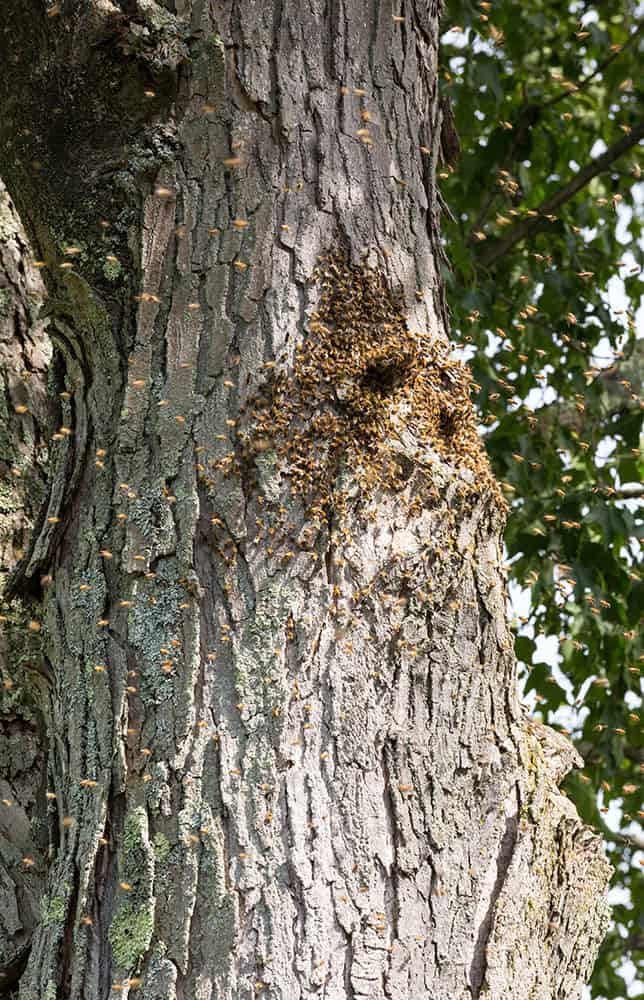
x=504, y=857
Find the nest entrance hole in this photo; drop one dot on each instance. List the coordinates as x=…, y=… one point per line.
x=384, y=377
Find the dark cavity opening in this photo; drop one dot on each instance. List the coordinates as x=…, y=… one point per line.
x=446, y=423
x=383, y=378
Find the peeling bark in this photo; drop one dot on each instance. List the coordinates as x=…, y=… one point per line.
x=284, y=739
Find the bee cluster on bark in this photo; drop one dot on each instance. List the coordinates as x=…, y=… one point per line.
x=357, y=381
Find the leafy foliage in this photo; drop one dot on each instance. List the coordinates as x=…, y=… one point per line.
x=546, y=205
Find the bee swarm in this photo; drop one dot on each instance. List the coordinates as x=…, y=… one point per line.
x=358, y=380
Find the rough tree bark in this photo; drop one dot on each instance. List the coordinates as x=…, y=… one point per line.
x=284, y=752
x=25, y=354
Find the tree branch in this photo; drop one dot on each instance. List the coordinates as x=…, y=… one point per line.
x=636, y=754
x=627, y=493
x=598, y=69
x=637, y=843
x=535, y=111
x=499, y=248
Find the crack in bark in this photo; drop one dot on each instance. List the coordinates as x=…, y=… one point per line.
x=348, y=964
x=504, y=857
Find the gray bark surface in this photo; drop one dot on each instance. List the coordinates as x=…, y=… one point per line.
x=283, y=737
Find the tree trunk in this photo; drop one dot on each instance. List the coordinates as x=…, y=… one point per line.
x=285, y=754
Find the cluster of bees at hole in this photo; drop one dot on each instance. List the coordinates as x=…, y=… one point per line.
x=358, y=377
